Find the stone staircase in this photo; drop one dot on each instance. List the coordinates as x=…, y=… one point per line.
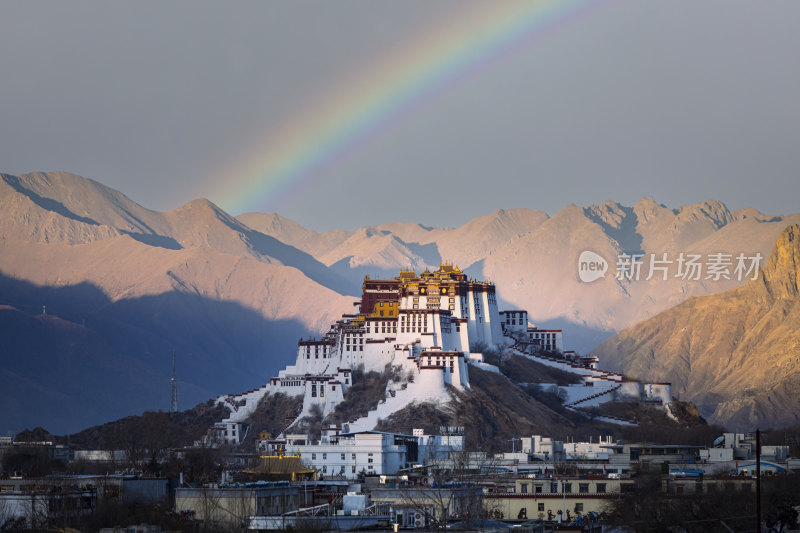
x=593, y=396
x=244, y=404
x=291, y=420
x=396, y=400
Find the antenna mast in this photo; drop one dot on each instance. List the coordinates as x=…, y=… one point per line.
x=173, y=407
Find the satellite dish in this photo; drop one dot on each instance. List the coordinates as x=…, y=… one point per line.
x=719, y=440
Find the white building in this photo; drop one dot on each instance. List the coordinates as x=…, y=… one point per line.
x=549, y=340
x=547, y=448
x=371, y=452
x=594, y=450
x=423, y=327
x=742, y=446
x=227, y=432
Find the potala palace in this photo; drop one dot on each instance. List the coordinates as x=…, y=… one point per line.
x=432, y=328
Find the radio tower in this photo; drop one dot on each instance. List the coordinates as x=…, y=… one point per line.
x=173, y=407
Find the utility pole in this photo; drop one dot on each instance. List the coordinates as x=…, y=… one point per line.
x=173, y=406
x=758, y=481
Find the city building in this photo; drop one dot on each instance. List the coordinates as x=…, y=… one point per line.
x=229, y=507
x=37, y=507
x=350, y=455
x=556, y=498
x=422, y=506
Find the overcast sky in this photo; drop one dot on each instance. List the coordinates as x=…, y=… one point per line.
x=679, y=100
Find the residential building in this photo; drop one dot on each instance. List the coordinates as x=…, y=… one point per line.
x=423, y=506
x=230, y=506
x=38, y=507
x=557, y=498
x=372, y=452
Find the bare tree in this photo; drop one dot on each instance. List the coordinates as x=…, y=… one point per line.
x=11, y=518
x=450, y=489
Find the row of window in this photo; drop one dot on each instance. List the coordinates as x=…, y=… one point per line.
x=342, y=458
x=360, y=348
x=555, y=487
x=391, y=327
x=513, y=320
x=540, y=509
x=415, y=329
x=439, y=360
x=325, y=456
x=321, y=390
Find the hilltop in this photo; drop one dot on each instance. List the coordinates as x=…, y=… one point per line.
x=97, y=290
x=734, y=353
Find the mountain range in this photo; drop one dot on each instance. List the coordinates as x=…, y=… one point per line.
x=533, y=258
x=97, y=291
x=736, y=354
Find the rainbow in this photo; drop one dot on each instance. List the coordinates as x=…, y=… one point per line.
x=288, y=156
